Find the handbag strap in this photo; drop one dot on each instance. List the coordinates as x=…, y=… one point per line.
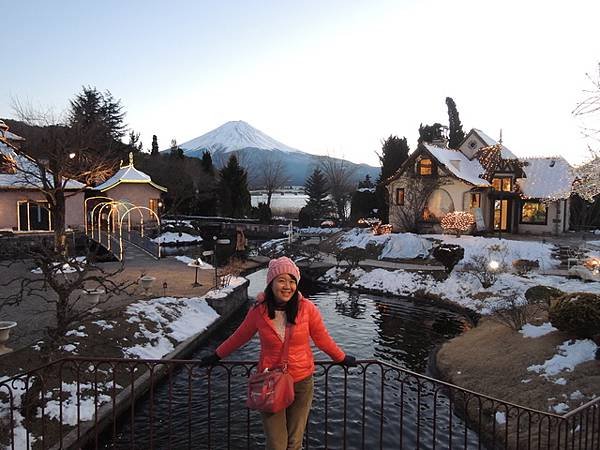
x=286, y=346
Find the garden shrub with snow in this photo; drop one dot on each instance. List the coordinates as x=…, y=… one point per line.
x=543, y=294
x=449, y=255
x=577, y=313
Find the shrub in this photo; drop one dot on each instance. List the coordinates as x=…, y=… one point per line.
x=352, y=255
x=543, y=294
x=481, y=267
x=577, y=313
x=516, y=312
x=524, y=266
x=449, y=255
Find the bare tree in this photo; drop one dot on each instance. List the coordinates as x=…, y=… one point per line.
x=340, y=175
x=589, y=107
x=417, y=191
x=55, y=160
x=272, y=175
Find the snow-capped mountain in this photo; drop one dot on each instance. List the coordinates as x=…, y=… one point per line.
x=254, y=149
x=231, y=137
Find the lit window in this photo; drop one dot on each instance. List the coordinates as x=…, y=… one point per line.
x=475, y=201
x=154, y=205
x=534, y=212
x=399, y=199
x=425, y=167
x=7, y=164
x=502, y=184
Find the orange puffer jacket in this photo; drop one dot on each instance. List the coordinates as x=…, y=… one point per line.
x=301, y=362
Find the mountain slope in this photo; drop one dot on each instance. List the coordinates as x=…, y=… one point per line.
x=254, y=149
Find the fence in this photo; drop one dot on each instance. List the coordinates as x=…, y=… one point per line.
x=87, y=403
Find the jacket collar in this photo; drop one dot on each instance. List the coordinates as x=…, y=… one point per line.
x=260, y=299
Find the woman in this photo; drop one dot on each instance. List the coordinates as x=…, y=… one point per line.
x=280, y=304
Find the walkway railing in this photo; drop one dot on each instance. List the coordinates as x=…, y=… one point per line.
x=116, y=244
x=86, y=403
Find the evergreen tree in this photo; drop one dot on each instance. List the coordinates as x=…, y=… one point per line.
x=456, y=133
x=318, y=205
x=207, y=163
x=430, y=133
x=135, y=144
x=366, y=183
x=234, y=196
x=154, y=151
x=175, y=150
x=394, y=152
x=101, y=118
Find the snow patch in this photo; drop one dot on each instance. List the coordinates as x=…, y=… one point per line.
x=570, y=354
x=534, y=331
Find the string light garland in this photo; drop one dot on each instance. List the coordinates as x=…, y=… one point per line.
x=458, y=221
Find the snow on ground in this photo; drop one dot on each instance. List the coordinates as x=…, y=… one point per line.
x=188, y=260
x=462, y=288
x=69, y=267
x=317, y=230
x=559, y=408
x=533, y=331
x=174, y=319
x=70, y=409
x=104, y=324
x=398, y=246
x=18, y=388
x=500, y=417
x=170, y=237
x=570, y=354
x=510, y=250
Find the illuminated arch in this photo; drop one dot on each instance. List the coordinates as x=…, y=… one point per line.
x=126, y=214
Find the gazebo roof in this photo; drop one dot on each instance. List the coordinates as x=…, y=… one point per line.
x=128, y=174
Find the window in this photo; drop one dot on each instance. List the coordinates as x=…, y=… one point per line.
x=399, y=197
x=534, y=212
x=475, y=201
x=439, y=204
x=34, y=216
x=502, y=184
x=154, y=204
x=425, y=167
x=7, y=164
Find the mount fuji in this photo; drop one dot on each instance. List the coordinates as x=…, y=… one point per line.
x=254, y=147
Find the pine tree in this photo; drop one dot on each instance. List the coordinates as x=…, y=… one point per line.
x=234, y=196
x=318, y=205
x=394, y=152
x=207, y=163
x=366, y=183
x=430, y=133
x=154, y=151
x=456, y=133
x=101, y=119
x=175, y=150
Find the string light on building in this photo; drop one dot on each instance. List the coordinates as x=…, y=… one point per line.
x=459, y=221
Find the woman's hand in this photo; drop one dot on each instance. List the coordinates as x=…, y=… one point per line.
x=209, y=360
x=348, y=361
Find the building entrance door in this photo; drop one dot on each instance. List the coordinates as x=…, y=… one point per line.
x=502, y=215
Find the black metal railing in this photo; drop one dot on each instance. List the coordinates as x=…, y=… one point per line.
x=90, y=403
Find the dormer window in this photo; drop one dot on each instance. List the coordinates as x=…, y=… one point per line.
x=502, y=184
x=7, y=165
x=425, y=167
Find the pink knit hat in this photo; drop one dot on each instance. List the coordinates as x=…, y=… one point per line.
x=280, y=266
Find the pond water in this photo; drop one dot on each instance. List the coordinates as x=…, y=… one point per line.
x=402, y=332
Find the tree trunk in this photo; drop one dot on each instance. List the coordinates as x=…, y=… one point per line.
x=269, y=195
x=58, y=223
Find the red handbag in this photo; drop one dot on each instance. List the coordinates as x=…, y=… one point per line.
x=272, y=390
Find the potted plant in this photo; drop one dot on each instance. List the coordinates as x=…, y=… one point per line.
x=5, y=327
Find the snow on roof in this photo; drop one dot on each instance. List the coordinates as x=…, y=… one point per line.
x=128, y=174
x=505, y=152
x=547, y=177
x=26, y=178
x=458, y=164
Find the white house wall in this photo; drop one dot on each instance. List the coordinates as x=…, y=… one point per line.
x=551, y=227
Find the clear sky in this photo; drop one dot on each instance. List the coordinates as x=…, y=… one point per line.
x=322, y=76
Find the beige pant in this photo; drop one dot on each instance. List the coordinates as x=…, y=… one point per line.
x=284, y=429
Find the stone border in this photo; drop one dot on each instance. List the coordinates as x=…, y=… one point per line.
x=225, y=306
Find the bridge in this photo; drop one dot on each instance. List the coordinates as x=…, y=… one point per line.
x=127, y=245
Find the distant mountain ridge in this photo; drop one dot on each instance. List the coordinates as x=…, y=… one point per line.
x=255, y=147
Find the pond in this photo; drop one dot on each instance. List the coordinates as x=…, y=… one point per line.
x=400, y=331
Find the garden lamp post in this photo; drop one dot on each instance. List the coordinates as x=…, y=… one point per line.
x=215, y=260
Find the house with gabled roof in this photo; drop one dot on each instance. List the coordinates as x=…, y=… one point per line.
x=503, y=192
x=23, y=206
